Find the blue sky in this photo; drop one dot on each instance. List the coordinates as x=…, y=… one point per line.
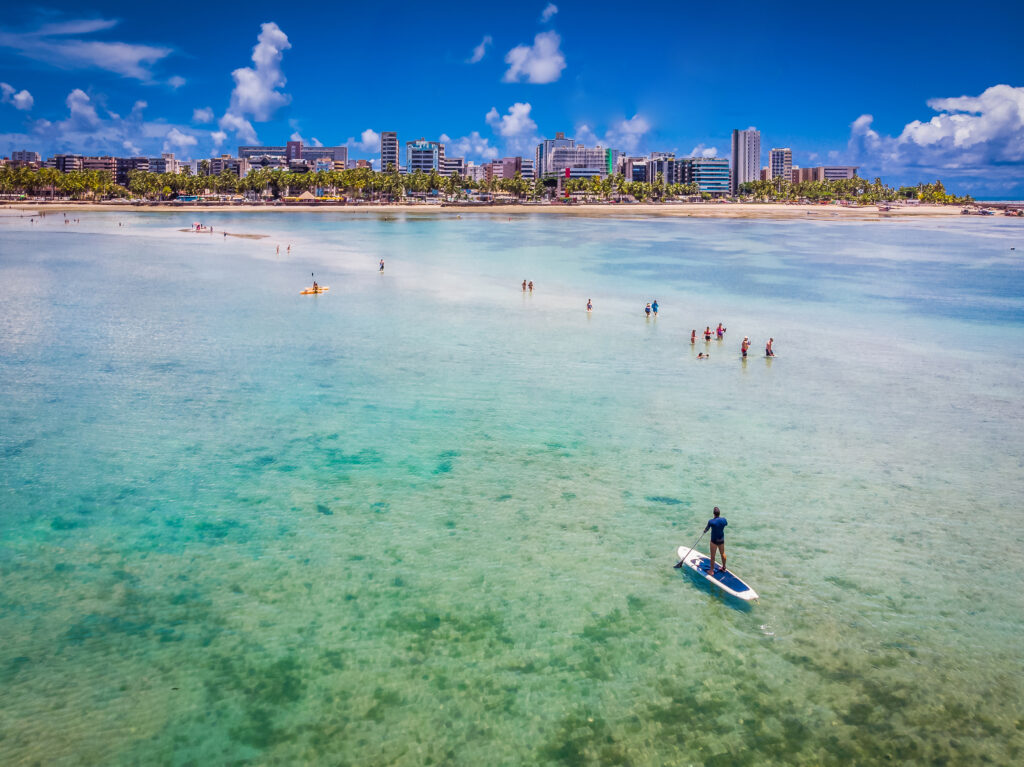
x=909, y=91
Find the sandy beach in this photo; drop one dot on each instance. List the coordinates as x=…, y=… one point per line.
x=678, y=210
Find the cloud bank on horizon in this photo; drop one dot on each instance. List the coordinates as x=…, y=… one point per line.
x=977, y=138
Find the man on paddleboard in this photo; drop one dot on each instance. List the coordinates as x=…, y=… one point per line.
x=717, y=527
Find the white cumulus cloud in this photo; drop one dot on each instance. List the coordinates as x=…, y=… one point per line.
x=202, y=116
x=516, y=123
x=541, y=62
x=550, y=10
x=256, y=95
x=970, y=133
x=176, y=81
x=627, y=134
x=86, y=131
x=480, y=51
x=177, y=140
x=472, y=147
x=18, y=99
x=701, y=150
x=368, y=141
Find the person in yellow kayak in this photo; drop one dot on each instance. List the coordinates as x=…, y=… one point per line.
x=315, y=286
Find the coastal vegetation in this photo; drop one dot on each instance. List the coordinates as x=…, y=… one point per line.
x=367, y=184
x=855, y=189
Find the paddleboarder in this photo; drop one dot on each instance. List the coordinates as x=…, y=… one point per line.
x=717, y=527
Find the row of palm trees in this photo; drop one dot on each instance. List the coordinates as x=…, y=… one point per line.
x=367, y=184
x=858, y=189
x=76, y=184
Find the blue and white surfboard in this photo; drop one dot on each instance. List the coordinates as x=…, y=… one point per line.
x=727, y=581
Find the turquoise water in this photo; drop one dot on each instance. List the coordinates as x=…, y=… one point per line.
x=428, y=519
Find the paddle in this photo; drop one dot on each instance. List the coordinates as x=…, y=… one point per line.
x=680, y=562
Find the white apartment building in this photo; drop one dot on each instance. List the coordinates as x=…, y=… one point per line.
x=746, y=156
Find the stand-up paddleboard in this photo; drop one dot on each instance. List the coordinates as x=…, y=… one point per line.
x=726, y=581
x=311, y=292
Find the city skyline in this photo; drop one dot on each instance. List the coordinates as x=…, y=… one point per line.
x=111, y=80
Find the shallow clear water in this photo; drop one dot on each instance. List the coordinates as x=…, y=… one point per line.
x=426, y=518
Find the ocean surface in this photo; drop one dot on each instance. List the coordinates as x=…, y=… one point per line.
x=429, y=519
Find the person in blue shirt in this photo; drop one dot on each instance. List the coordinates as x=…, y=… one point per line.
x=717, y=527
x=654, y=307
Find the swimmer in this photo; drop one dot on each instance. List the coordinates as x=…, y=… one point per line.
x=703, y=356
x=654, y=307
x=647, y=310
x=693, y=337
x=531, y=286
x=720, y=331
x=381, y=265
x=768, y=348
x=524, y=286
x=745, y=346
x=707, y=333
x=590, y=306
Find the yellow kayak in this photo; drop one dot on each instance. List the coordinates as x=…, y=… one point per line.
x=312, y=292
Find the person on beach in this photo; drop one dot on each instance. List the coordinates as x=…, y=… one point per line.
x=289, y=248
x=647, y=310
x=524, y=286
x=531, y=286
x=768, y=352
x=717, y=527
x=745, y=346
x=654, y=307
x=720, y=331
x=693, y=337
x=707, y=334
x=279, y=250
x=590, y=306
x=381, y=265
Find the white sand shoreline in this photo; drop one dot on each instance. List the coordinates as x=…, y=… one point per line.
x=644, y=210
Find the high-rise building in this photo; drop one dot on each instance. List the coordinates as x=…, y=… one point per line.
x=710, y=174
x=746, y=156
x=106, y=163
x=422, y=155
x=613, y=157
x=453, y=166
x=388, y=151
x=780, y=163
x=250, y=152
x=510, y=166
x=126, y=165
x=293, y=151
x=165, y=163
x=24, y=157
x=337, y=153
x=672, y=171
x=838, y=172
x=528, y=171
x=556, y=155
